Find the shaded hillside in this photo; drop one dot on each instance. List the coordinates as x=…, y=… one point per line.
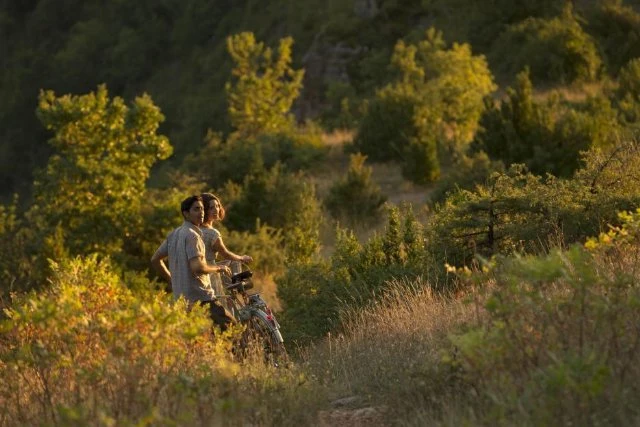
x=175, y=51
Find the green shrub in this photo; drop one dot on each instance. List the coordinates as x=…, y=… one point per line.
x=16, y=268
x=314, y=294
x=235, y=157
x=88, y=350
x=387, y=126
x=559, y=338
x=101, y=349
x=344, y=109
x=518, y=211
x=627, y=97
x=355, y=198
x=616, y=27
x=281, y=200
x=547, y=136
x=556, y=50
x=465, y=174
x=485, y=20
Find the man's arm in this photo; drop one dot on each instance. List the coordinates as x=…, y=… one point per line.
x=198, y=265
x=157, y=261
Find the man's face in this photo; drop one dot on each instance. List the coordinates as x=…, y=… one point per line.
x=195, y=214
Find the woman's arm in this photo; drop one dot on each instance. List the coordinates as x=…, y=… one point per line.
x=219, y=247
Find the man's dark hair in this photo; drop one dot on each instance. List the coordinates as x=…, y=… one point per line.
x=186, y=203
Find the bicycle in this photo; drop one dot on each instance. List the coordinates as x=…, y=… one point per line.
x=261, y=325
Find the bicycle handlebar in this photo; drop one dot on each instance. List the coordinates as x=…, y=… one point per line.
x=239, y=277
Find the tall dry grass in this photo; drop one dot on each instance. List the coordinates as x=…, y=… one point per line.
x=552, y=339
x=393, y=354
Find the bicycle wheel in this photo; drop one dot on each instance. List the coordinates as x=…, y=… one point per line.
x=267, y=338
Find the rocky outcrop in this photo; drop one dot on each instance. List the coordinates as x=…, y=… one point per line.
x=324, y=62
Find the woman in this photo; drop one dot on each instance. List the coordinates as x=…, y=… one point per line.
x=214, y=211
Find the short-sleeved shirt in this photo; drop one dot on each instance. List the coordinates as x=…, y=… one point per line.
x=181, y=245
x=210, y=235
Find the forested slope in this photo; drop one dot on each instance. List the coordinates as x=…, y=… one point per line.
x=175, y=51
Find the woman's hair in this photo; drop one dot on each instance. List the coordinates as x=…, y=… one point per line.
x=207, y=198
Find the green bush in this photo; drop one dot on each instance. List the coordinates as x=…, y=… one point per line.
x=559, y=338
x=547, y=136
x=518, y=211
x=484, y=20
x=100, y=351
x=235, y=157
x=314, y=294
x=465, y=174
x=88, y=350
x=344, y=107
x=355, y=198
x=556, y=50
x=627, y=97
x=281, y=200
x=616, y=27
x=16, y=268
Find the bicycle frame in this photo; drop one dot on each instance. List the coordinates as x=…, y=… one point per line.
x=245, y=306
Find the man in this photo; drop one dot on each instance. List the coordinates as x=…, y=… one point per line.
x=188, y=272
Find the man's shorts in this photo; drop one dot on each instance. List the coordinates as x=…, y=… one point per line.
x=219, y=314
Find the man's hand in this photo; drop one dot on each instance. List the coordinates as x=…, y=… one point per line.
x=223, y=269
x=198, y=265
x=246, y=259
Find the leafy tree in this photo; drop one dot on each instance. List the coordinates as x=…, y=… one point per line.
x=616, y=27
x=94, y=185
x=355, y=197
x=430, y=112
x=547, y=136
x=260, y=98
x=555, y=50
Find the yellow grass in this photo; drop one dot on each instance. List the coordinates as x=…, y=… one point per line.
x=389, y=354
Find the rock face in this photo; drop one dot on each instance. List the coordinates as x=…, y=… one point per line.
x=324, y=62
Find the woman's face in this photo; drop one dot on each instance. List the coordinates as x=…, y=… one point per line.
x=213, y=212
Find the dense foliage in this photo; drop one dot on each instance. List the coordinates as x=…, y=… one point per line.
x=431, y=111
x=547, y=136
x=559, y=338
x=516, y=121
x=556, y=50
x=89, y=349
